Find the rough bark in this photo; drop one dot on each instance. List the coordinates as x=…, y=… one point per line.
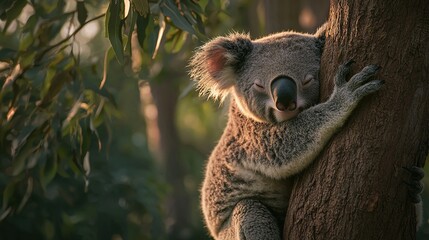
x=355, y=190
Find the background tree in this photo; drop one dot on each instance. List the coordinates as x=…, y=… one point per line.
x=74, y=156
x=356, y=189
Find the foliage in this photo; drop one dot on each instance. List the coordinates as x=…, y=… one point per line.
x=55, y=116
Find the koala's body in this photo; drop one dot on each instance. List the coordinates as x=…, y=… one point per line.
x=275, y=127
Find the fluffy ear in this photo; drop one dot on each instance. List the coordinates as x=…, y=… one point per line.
x=215, y=64
x=321, y=35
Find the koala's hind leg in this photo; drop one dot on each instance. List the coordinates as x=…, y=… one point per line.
x=251, y=220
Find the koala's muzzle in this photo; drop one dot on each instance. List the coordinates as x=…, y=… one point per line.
x=283, y=90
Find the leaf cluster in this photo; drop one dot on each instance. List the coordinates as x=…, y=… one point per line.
x=50, y=107
x=56, y=113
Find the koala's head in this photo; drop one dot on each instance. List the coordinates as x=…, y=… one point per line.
x=271, y=79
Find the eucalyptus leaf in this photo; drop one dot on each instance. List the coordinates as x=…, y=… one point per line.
x=49, y=170
x=193, y=6
x=142, y=23
x=169, y=9
x=13, y=12
x=55, y=87
x=132, y=23
x=114, y=29
x=82, y=13
x=142, y=7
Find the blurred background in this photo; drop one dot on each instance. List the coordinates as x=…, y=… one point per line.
x=101, y=143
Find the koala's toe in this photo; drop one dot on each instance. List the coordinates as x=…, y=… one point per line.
x=414, y=184
x=370, y=70
x=368, y=88
x=415, y=188
x=343, y=72
x=363, y=76
x=417, y=173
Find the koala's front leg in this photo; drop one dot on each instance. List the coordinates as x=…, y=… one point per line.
x=302, y=138
x=251, y=220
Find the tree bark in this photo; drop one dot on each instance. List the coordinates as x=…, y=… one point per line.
x=355, y=190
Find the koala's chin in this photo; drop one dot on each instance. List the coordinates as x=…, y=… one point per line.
x=281, y=116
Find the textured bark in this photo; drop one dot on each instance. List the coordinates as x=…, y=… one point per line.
x=355, y=189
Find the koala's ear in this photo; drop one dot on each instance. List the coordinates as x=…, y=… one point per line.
x=321, y=35
x=215, y=64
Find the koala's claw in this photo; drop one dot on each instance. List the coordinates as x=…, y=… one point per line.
x=415, y=186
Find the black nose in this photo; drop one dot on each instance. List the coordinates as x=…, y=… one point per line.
x=283, y=90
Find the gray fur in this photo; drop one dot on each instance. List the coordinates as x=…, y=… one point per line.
x=247, y=181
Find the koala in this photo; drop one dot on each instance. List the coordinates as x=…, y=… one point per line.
x=275, y=127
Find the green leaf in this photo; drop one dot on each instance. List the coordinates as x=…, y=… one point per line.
x=189, y=16
x=82, y=13
x=57, y=74
x=114, y=29
x=142, y=7
x=27, y=194
x=27, y=59
x=31, y=23
x=132, y=23
x=50, y=74
x=175, y=44
x=169, y=9
x=200, y=25
x=4, y=6
x=49, y=170
x=13, y=12
x=55, y=87
x=26, y=40
x=24, y=153
x=102, y=92
x=24, y=134
x=193, y=6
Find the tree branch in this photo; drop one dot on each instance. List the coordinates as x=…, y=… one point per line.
x=49, y=48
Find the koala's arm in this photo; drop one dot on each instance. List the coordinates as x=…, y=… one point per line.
x=287, y=148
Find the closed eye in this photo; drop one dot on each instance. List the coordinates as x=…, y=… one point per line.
x=259, y=86
x=309, y=78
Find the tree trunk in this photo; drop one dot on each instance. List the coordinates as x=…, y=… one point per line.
x=355, y=190
x=165, y=94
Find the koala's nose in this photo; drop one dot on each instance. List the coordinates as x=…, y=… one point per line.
x=283, y=90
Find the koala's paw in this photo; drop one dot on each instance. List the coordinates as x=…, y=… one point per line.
x=415, y=185
x=360, y=84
